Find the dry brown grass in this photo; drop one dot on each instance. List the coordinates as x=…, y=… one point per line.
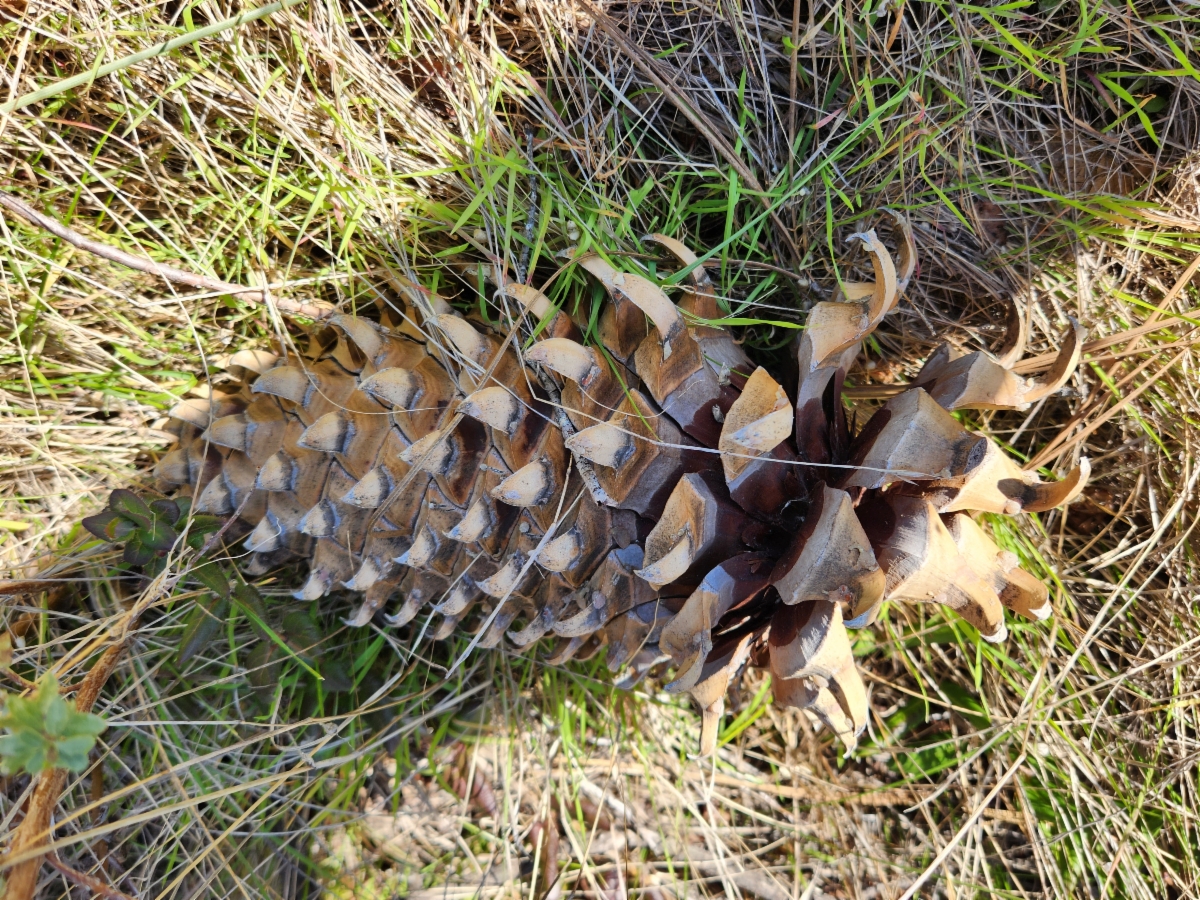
x=328, y=145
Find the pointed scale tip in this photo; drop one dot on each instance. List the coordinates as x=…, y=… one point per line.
x=460, y=597
x=368, y=573
x=765, y=434
x=641, y=292
x=431, y=453
x=683, y=253
x=561, y=553
x=526, y=487
x=533, y=630
x=320, y=521
x=603, y=444
x=587, y=620
x=999, y=636
x=506, y=578
x=1044, y=496
x=328, y=434
x=408, y=610
x=216, y=499
x=759, y=420
x=568, y=358
x=687, y=673
x=173, y=467
x=710, y=723
x=360, y=332
x=424, y=548
x=256, y=361
x=265, y=537
x=469, y=342
x=371, y=490
x=195, y=411
x=398, y=388
x=276, y=474
x=229, y=431
x=475, y=525
x=494, y=406
x=531, y=298
x=317, y=586
x=287, y=382
x=670, y=566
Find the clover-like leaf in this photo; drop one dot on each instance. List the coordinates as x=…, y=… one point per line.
x=23, y=751
x=109, y=526
x=200, y=528
x=159, y=536
x=166, y=510
x=137, y=552
x=131, y=506
x=73, y=751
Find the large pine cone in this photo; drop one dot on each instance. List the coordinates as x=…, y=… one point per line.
x=653, y=492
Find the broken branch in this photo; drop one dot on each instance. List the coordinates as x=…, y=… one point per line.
x=167, y=273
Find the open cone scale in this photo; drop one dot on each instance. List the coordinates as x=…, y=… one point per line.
x=685, y=512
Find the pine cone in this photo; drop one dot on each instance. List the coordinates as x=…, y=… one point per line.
x=654, y=493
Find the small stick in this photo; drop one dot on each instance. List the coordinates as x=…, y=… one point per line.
x=34, y=830
x=35, y=827
x=30, y=586
x=167, y=273
x=567, y=427
x=95, y=885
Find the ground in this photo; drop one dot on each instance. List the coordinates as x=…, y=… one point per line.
x=1045, y=153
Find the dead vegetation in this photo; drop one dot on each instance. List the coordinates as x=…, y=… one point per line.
x=1043, y=153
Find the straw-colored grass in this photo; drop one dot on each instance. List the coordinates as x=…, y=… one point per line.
x=1045, y=153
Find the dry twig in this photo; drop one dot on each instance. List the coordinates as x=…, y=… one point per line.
x=167, y=273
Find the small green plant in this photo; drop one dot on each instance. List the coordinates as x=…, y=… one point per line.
x=46, y=732
x=149, y=529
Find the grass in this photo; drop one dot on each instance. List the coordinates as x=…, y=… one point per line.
x=1044, y=151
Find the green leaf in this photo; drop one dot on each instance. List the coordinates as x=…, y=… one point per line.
x=336, y=675
x=248, y=599
x=73, y=752
x=108, y=525
x=137, y=553
x=158, y=536
x=23, y=751
x=167, y=510
x=203, y=624
x=200, y=528
x=213, y=577
x=301, y=634
x=54, y=716
x=264, y=666
x=131, y=506
x=46, y=731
